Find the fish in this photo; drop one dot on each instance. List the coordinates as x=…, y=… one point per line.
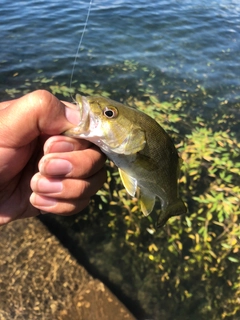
x=141, y=149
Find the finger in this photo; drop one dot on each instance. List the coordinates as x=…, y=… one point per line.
x=5, y=104
x=36, y=113
x=64, y=144
x=68, y=188
x=73, y=196
x=75, y=164
x=60, y=207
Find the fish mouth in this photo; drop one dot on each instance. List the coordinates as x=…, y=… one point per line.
x=83, y=126
x=84, y=109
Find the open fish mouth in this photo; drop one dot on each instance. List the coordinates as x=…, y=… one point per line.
x=84, y=109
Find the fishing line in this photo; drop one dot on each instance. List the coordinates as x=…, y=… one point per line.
x=80, y=42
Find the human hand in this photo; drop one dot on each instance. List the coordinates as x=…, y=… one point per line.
x=39, y=169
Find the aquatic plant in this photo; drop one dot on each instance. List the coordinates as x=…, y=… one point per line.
x=204, y=245
x=192, y=265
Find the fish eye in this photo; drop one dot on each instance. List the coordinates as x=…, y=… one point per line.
x=110, y=113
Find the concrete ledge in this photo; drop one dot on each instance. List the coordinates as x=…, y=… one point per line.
x=40, y=280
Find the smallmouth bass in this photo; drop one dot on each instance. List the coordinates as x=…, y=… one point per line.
x=143, y=152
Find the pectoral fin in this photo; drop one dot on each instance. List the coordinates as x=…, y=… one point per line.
x=135, y=141
x=129, y=182
x=147, y=202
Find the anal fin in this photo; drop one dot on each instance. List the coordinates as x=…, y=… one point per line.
x=147, y=202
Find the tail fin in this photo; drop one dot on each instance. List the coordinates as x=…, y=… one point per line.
x=174, y=209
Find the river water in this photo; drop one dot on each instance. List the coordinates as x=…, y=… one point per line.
x=190, y=44
x=171, y=46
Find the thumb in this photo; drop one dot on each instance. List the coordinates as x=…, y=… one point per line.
x=39, y=112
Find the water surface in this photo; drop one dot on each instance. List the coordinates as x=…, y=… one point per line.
x=185, y=50
x=187, y=45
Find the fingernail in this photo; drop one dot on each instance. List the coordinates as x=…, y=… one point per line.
x=73, y=115
x=59, y=146
x=41, y=201
x=47, y=186
x=54, y=167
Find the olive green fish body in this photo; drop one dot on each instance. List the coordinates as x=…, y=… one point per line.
x=143, y=152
